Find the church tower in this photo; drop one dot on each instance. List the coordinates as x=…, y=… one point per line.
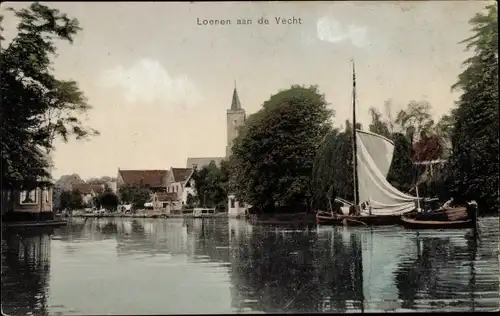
x=235, y=118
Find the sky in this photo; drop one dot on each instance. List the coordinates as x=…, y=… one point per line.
x=160, y=84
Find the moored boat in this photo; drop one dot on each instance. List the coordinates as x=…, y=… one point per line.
x=448, y=218
x=357, y=220
x=376, y=201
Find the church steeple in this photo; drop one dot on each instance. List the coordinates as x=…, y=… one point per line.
x=235, y=103
x=235, y=118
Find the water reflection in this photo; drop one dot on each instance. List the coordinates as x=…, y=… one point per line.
x=25, y=273
x=143, y=266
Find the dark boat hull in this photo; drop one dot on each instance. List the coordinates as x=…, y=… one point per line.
x=419, y=224
x=452, y=218
x=360, y=220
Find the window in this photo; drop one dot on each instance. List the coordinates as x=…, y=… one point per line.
x=235, y=122
x=28, y=197
x=242, y=204
x=46, y=196
x=232, y=203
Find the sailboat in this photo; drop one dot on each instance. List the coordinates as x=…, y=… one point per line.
x=376, y=201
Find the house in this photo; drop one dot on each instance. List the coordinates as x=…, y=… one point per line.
x=88, y=191
x=155, y=180
x=164, y=202
x=29, y=204
x=236, y=208
x=179, y=182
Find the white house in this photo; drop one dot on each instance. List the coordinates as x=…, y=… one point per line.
x=236, y=208
x=179, y=182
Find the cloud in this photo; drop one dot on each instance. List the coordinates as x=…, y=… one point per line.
x=147, y=81
x=332, y=31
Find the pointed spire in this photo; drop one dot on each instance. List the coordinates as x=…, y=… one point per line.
x=235, y=103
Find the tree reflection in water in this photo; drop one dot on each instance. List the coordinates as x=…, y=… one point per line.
x=256, y=268
x=25, y=272
x=442, y=274
x=296, y=271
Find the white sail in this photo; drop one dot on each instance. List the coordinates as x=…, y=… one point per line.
x=374, y=157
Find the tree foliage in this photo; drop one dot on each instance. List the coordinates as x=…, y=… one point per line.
x=108, y=200
x=402, y=172
x=36, y=106
x=273, y=155
x=474, y=138
x=332, y=174
x=211, y=184
x=71, y=200
x=136, y=195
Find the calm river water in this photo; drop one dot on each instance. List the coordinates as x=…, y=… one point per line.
x=155, y=266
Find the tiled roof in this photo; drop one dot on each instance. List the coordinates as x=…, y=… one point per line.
x=152, y=178
x=97, y=188
x=83, y=188
x=166, y=196
x=181, y=174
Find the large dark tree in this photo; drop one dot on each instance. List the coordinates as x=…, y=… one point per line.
x=273, y=156
x=108, y=200
x=474, y=160
x=36, y=106
x=71, y=200
x=134, y=194
x=333, y=168
x=211, y=184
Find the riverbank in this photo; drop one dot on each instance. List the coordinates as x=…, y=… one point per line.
x=28, y=224
x=146, y=215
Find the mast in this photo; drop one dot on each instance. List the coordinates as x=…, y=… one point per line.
x=354, y=142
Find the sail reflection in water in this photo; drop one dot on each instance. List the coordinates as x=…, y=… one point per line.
x=144, y=266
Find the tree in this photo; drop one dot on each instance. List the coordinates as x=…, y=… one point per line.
x=273, y=155
x=474, y=137
x=109, y=200
x=402, y=172
x=36, y=106
x=71, y=200
x=415, y=120
x=378, y=125
x=211, y=183
x=101, y=180
x=333, y=167
x=137, y=195
x=191, y=200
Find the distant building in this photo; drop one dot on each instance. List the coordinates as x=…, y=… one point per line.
x=36, y=203
x=178, y=183
x=88, y=191
x=164, y=202
x=156, y=180
x=235, y=117
x=236, y=208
